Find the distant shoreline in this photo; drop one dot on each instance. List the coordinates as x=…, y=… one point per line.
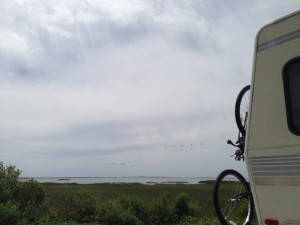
x=118, y=180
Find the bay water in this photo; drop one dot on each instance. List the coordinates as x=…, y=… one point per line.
x=101, y=180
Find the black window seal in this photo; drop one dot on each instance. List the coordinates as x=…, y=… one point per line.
x=287, y=95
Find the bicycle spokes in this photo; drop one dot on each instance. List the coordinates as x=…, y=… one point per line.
x=232, y=199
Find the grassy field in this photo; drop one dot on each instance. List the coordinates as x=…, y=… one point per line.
x=32, y=203
x=202, y=194
x=199, y=196
x=143, y=201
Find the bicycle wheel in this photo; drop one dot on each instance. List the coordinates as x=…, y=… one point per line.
x=232, y=199
x=241, y=109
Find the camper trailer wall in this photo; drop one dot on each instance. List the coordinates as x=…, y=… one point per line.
x=273, y=141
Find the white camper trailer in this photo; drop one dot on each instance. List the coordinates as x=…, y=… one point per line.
x=273, y=131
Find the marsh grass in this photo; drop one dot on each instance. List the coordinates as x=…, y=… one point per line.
x=112, y=204
x=30, y=202
x=151, y=204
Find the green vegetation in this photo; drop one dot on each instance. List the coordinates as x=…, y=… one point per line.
x=130, y=204
x=20, y=203
x=30, y=202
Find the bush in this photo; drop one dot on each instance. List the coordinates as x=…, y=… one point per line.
x=8, y=213
x=162, y=211
x=30, y=193
x=20, y=202
x=185, y=208
x=8, y=186
x=8, y=182
x=135, y=205
x=182, y=205
x=112, y=213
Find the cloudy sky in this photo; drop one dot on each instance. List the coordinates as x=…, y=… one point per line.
x=125, y=88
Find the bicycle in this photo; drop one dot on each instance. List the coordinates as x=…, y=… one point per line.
x=241, y=115
x=232, y=197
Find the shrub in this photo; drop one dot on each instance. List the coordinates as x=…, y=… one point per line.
x=32, y=215
x=20, y=202
x=112, y=213
x=29, y=197
x=162, y=211
x=8, y=213
x=8, y=182
x=8, y=186
x=182, y=205
x=30, y=193
x=135, y=205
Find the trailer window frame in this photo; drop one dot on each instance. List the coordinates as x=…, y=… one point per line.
x=291, y=81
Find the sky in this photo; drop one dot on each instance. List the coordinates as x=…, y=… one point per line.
x=113, y=88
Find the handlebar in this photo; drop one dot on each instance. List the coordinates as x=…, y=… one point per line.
x=240, y=144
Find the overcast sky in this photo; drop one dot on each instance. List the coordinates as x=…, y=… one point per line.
x=125, y=88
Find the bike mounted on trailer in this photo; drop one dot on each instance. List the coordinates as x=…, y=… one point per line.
x=232, y=196
x=241, y=115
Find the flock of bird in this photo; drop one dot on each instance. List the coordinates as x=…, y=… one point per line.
x=181, y=148
x=124, y=163
x=167, y=148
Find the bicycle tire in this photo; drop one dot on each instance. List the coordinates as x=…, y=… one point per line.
x=242, y=108
x=230, y=209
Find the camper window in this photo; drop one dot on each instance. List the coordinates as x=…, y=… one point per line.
x=291, y=79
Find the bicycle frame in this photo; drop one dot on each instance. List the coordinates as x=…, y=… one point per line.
x=240, y=143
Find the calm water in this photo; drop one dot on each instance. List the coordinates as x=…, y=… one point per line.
x=142, y=180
